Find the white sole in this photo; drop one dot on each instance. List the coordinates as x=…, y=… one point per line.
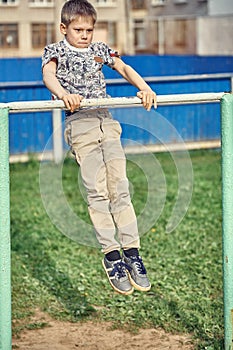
x=112, y=285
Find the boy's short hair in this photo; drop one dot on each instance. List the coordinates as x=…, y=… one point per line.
x=76, y=8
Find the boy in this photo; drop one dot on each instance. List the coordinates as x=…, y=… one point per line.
x=72, y=70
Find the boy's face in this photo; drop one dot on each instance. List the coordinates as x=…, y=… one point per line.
x=79, y=32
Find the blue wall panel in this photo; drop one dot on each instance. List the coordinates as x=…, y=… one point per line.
x=195, y=122
x=175, y=122
x=29, y=69
x=29, y=132
x=20, y=69
x=151, y=65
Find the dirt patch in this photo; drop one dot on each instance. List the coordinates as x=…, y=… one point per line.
x=95, y=336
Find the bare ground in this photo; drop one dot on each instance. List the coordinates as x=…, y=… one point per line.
x=89, y=335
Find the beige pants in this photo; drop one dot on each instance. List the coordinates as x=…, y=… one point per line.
x=97, y=147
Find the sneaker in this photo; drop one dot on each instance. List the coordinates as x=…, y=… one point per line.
x=118, y=276
x=137, y=274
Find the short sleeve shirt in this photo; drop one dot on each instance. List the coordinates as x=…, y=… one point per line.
x=79, y=71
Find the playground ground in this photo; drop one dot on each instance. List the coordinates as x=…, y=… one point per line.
x=58, y=335
x=61, y=298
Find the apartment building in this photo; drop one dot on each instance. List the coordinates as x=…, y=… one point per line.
x=26, y=26
x=173, y=24
x=203, y=27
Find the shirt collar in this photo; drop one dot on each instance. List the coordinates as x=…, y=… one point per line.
x=73, y=48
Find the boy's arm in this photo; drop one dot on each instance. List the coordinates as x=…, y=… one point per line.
x=147, y=95
x=72, y=101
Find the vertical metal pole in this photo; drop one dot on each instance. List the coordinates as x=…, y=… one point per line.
x=161, y=36
x=227, y=206
x=57, y=136
x=5, y=248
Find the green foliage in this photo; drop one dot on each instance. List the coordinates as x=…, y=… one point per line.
x=66, y=280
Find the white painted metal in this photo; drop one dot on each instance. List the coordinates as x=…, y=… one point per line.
x=113, y=102
x=57, y=136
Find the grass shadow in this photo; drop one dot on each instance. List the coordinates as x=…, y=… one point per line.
x=41, y=266
x=36, y=245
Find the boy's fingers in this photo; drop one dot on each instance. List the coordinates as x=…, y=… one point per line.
x=148, y=99
x=66, y=101
x=72, y=101
x=139, y=94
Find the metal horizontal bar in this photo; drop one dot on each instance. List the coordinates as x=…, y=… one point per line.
x=152, y=79
x=169, y=78
x=114, y=102
x=21, y=84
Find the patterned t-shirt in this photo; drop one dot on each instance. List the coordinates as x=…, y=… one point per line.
x=79, y=71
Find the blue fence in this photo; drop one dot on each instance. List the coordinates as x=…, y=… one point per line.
x=21, y=80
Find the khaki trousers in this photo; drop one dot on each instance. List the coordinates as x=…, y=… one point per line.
x=95, y=142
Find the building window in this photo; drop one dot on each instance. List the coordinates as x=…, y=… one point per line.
x=9, y=2
x=180, y=32
x=9, y=35
x=106, y=2
x=41, y=3
x=180, y=1
x=138, y=4
x=42, y=34
x=107, y=32
x=139, y=34
x=158, y=2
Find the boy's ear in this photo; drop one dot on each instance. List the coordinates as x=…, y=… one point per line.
x=63, y=28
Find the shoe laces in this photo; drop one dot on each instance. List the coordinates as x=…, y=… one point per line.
x=119, y=269
x=137, y=260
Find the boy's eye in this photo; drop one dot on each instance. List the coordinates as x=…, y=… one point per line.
x=81, y=30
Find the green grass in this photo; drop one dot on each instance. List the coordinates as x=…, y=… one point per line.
x=66, y=280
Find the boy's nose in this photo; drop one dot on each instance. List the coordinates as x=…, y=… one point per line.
x=84, y=34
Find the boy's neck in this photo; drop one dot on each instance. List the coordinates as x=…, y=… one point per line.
x=81, y=49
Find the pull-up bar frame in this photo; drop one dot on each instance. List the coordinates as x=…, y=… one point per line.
x=227, y=195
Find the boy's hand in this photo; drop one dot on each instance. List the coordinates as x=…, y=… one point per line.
x=148, y=98
x=72, y=101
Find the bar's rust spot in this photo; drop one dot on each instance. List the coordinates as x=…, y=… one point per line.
x=226, y=259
